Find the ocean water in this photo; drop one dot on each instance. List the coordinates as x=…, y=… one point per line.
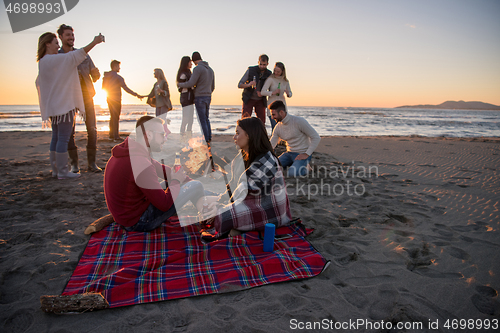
x=326, y=120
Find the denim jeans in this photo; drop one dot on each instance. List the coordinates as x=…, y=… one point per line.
x=202, y=104
x=296, y=167
x=61, y=133
x=90, y=123
x=153, y=217
x=115, y=108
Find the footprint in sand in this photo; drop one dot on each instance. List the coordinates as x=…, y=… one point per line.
x=225, y=313
x=354, y=296
x=384, y=304
x=418, y=257
x=292, y=302
x=485, y=300
x=20, y=321
x=265, y=312
x=458, y=253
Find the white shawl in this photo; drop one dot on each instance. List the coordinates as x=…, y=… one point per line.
x=58, y=85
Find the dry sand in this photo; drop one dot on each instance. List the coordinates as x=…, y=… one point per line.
x=418, y=241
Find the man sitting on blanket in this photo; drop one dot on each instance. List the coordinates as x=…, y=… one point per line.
x=134, y=196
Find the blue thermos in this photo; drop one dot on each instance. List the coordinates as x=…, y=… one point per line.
x=269, y=237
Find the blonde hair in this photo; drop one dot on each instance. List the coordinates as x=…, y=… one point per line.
x=281, y=66
x=161, y=76
x=43, y=40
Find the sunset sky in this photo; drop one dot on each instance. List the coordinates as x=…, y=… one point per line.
x=337, y=53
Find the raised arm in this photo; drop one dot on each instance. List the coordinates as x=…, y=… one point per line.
x=97, y=40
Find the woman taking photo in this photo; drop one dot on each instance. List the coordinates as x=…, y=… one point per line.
x=187, y=98
x=60, y=96
x=275, y=88
x=259, y=193
x=161, y=93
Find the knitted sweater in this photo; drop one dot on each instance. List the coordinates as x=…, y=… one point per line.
x=271, y=85
x=58, y=84
x=299, y=135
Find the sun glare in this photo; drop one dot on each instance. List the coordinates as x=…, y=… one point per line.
x=100, y=98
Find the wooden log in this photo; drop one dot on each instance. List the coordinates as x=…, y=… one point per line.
x=99, y=224
x=73, y=303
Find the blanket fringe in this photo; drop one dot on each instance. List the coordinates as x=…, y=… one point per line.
x=73, y=303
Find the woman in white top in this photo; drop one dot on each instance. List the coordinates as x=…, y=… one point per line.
x=60, y=96
x=275, y=88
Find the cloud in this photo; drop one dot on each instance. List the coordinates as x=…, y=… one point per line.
x=413, y=26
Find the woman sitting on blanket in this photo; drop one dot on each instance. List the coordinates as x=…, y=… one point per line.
x=259, y=192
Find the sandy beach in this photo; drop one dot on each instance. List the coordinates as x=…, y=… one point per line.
x=411, y=226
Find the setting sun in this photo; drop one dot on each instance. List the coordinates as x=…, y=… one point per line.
x=100, y=98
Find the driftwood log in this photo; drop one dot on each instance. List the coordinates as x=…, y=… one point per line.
x=73, y=303
x=99, y=224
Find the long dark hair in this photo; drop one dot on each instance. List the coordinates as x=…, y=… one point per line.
x=258, y=142
x=183, y=67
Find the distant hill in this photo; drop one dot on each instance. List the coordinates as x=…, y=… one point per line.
x=452, y=105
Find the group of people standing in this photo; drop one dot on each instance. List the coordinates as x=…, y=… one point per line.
x=195, y=88
x=261, y=88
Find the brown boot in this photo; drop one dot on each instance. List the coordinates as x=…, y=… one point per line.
x=91, y=160
x=73, y=160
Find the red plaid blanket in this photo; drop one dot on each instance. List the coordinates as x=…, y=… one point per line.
x=171, y=262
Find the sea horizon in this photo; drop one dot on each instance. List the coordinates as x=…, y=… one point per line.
x=328, y=121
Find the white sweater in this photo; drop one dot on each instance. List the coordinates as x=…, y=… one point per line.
x=271, y=85
x=299, y=135
x=58, y=84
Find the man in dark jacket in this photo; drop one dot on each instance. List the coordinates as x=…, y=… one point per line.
x=113, y=84
x=203, y=81
x=251, y=83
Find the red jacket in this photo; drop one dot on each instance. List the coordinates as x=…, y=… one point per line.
x=127, y=197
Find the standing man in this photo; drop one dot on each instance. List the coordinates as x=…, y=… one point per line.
x=301, y=139
x=113, y=84
x=203, y=81
x=88, y=74
x=251, y=83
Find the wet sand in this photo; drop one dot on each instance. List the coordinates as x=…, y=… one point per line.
x=411, y=226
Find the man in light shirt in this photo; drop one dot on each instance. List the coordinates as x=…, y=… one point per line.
x=300, y=137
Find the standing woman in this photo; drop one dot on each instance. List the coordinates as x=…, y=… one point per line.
x=259, y=193
x=161, y=92
x=275, y=88
x=187, y=98
x=60, y=96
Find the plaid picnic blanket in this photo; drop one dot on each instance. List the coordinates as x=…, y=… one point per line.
x=171, y=262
